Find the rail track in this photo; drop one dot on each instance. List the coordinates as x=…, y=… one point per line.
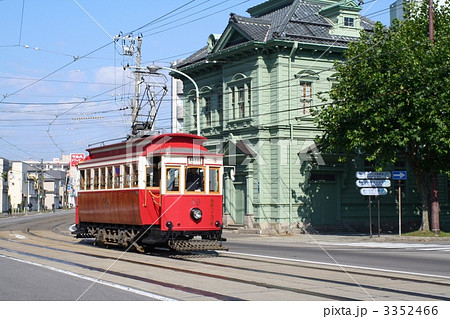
x=209, y=276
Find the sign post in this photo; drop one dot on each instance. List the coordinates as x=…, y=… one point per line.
x=399, y=176
x=373, y=184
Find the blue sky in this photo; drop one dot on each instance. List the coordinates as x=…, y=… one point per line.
x=62, y=84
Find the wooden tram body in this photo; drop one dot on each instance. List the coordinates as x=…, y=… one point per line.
x=163, y=190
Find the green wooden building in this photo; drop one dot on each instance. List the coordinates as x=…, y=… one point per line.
x=258, y=82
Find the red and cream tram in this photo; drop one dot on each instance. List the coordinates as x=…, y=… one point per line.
x=163, y=190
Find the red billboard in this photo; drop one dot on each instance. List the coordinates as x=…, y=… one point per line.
x=75, y=158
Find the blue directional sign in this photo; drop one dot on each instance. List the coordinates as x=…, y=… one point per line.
x=399, y=175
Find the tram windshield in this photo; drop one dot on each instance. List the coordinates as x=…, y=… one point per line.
x=195, y=179
x=173, y=179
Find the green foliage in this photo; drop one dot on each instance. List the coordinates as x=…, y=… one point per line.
x=393, y=94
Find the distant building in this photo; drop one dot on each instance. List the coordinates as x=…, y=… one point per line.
x=21, y=186
x=4, y=168
x=34, y=185
x=396, y=8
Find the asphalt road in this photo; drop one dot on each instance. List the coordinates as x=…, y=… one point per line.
x=33, y=282
x=391, y=253
x=25, y=279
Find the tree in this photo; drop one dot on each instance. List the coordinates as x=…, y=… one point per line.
x=393, y=98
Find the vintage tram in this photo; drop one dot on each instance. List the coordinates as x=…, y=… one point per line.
x=163, y=190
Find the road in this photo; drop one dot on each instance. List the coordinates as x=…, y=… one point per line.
x=40, y=260
x=390, y=253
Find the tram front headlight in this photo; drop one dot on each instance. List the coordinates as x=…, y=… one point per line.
x=196, y=214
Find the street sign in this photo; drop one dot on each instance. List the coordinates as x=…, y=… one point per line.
x=399, y=175
x=373, y=191
x=373, y=175
x=373, y=183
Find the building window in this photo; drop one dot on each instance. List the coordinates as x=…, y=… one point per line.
x=323, y=177
x=241, y=97
x=349, y=22
x=220, y=108
x=305, y=97
x=207, y=100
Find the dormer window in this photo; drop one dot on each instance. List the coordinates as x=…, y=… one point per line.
x=349, y=22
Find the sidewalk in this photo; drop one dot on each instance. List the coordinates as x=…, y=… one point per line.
x=333, y=238
x=330, y=238
x=28, y=213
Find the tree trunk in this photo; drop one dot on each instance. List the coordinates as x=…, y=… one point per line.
x=435, y=227
x=422, y=186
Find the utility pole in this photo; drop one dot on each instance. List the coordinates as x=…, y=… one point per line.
x=129, y=48
x=137, y=85
x=41, y=187
x=435, y=227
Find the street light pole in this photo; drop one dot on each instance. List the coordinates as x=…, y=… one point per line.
x=155, y=68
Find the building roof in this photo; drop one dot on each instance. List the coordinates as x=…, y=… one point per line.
x=305, y=21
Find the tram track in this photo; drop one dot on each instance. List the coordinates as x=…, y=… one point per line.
x=234, y=270
x=185, y=271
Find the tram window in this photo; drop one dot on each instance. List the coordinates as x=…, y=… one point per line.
x=214, y=180
x=95, y=178
x=88, y=179
x=127, y=176
x=152, y=173
x=173, y=179
x=109, y=177
x=134, y=175
x=82, y=179
x=102, y=178
x=195, y=179
x=117, y=177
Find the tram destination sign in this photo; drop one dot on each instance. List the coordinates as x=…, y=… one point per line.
x=373, y=191
x=373, y=175
x=373, y=183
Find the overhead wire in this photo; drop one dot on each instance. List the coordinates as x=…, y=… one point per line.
x=86, y=56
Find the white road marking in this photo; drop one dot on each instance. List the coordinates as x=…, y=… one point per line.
x=103, y=282
x=337, y=265
x=388, y=245
x=18, y=236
